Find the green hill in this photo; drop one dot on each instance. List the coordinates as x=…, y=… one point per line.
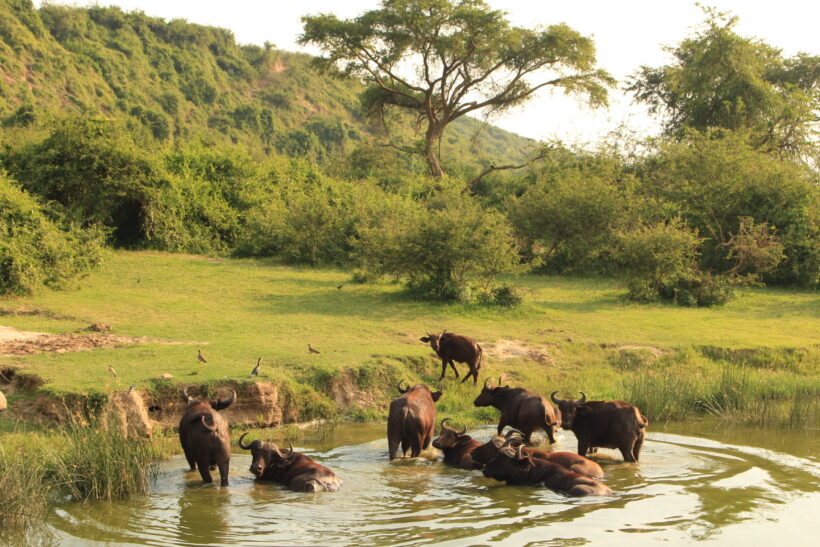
x=175, y=80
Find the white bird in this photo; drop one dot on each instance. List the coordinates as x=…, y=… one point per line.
x=200, y=357
x=255, y=371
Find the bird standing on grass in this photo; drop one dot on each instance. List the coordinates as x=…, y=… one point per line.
x=131, y=388
x=311, y=350
x=340, y=287
x=200, y=357
x=255, y=371
x=112, y=371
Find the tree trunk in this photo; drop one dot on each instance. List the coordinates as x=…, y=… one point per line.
x=431, y=138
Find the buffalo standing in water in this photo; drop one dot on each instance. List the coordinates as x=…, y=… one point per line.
x=411, y=420
x=521, y=409
x=205, y=436
x=455, y=347
x=293, y=469
x=607, y=424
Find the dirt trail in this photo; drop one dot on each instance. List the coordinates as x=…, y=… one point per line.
x=18, y=342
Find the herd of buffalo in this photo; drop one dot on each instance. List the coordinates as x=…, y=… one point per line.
x=205, y=437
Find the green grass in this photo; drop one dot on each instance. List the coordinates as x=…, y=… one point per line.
x=238, y=310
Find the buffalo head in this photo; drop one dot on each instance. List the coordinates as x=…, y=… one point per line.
x=570, y=408
x=448, y=437
x=489, y=394
x=265, y=455
x=489, y=450
x=510, y=461
x=218, y=404
x=436, y=395
x=433, y=340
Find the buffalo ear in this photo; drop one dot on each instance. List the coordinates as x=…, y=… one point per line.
x=424, y=339
x=436, y=395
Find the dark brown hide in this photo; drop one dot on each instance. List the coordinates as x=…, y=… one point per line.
x=574, y=462
x=205, y=436
x=292, y=469
x=411, y=420
x=455, y=348
x=524, y=410
x=513, y=466
x=607, y=424
x=457, y=447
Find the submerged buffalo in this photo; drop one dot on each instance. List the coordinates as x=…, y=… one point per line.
x=574, y=462
x=205, y=436
x=455, y=348
x=606, y=424
x=457, y=446
x=521, y=409
x=411, y=420
x=292, y=469
x=514, y=466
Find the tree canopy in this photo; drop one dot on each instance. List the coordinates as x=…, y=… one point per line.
x=721, y=79
x=441, y=59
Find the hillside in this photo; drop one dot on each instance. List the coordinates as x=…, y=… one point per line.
x=174, y=80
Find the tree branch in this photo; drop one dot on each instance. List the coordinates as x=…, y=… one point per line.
x=470, y=187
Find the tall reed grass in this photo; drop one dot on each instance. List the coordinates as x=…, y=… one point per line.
x=23, y=490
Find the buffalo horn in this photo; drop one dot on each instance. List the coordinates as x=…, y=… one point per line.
x=242, y=445
x=487, y=379
x=290, y=452
x=444, y=421
x=403, y=390
x=583, y=398
x=205, y=424
x=519, y=454
x=230, y=401
x=188, y=398
x=513, y=433
x=552, y=396
x=464, y=430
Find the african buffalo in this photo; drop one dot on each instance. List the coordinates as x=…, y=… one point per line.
x=457, y=446
x=514, y=466
x=521, y=409
x=607, y=424
x=205, y=437
x=293, y=469
x=489, y=450
x=454, y=347
x=411, y=420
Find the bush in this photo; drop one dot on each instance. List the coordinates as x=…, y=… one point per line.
x=36, y=252
x=439, y=253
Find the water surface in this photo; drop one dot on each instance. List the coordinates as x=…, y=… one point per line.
x=695, y=483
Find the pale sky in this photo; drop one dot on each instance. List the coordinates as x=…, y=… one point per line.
x=627, y=34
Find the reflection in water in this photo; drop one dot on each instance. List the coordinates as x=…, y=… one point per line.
x=685, y=489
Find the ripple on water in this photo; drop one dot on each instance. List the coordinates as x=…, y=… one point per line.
x=685, y=489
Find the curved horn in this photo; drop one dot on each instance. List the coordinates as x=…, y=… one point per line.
x=290, y=452
x=487, y=379
x=403, y=390
x=500, y=379
x=552, y=396
x=444, y=421
x=230, y=401
x=513, y=433
x=188, y=398
x=205, y=424
x=583, y=398
x=519, y=452
x=464, y=430
x=242, y=445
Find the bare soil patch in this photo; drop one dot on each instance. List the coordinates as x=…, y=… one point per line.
x=17, y=342
x=510, y=349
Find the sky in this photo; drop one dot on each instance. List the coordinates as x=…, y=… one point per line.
x=627, y=34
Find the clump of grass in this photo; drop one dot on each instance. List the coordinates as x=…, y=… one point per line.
x=23, y=491
x=97, y=461
x=664, y=395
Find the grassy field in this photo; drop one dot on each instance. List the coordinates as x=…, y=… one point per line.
x=238, y=310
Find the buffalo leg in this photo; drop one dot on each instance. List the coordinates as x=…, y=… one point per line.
x=453, y=366
x=223, y=472
x=443, y=370
x=550, y=433
x=204, y=469
x=392, y=448
x=188, y=455
x=626, y=452
x=582, y=447
x=636, y=448
x=474, y=373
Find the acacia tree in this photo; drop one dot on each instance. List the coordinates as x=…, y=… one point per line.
x=720, y=79
x=443, y=59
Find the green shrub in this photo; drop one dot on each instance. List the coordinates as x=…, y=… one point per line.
x=36, y=252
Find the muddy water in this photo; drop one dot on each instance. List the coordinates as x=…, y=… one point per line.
x=693, y=483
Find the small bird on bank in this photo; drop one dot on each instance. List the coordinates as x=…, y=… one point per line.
x=312, y=350
x=200, y=357
x=112, y=371
x=255, y=371
x=131, y=388
x=340, y=287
